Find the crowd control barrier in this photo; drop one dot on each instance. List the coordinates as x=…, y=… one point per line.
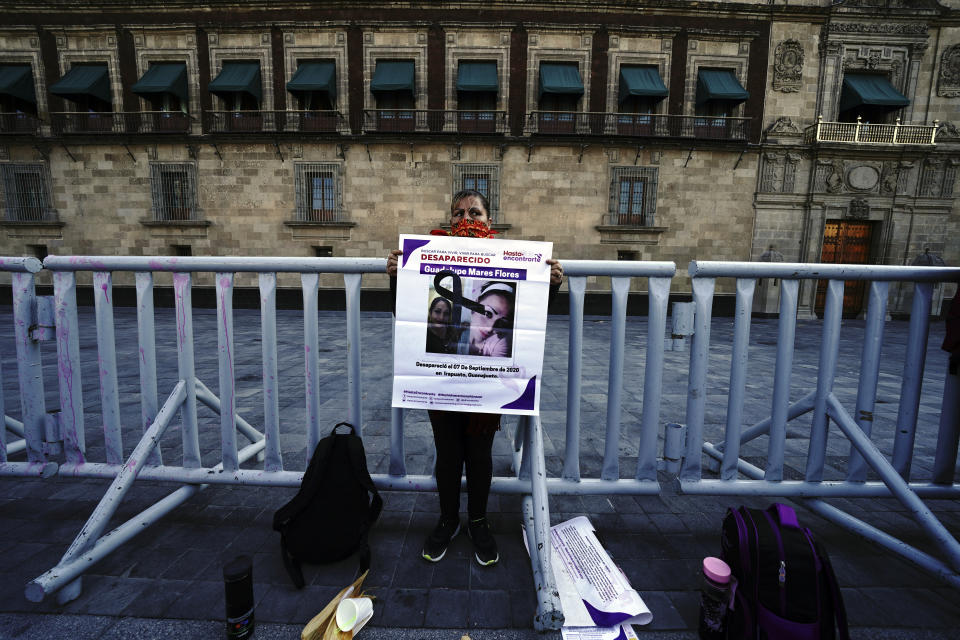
x=160, y=407
x=891, y=469
x=30, y=433
x=254, y=458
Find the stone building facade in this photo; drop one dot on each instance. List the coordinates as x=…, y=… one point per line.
x=611, y=165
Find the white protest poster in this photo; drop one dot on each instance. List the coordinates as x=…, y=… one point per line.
x=471, y=318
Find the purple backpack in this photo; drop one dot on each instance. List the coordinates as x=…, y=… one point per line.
x=786, y=588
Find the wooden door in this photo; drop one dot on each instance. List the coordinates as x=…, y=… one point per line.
x=845, y=242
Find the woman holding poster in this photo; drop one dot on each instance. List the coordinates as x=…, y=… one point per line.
x=466, y=439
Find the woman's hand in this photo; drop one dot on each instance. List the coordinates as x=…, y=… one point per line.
x=556, y=271
x=392, y=260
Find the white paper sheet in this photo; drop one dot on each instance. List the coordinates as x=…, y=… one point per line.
x=594, y=593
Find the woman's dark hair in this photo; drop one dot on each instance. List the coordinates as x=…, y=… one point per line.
x=466, y=193
x=440, y=299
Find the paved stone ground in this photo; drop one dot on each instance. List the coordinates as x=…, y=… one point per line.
x=167, y=581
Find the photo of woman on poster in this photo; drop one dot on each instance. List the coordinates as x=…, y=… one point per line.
x=491, y=332
x=441, y=335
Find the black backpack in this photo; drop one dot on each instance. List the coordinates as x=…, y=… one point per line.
x=329, y=518
x=786, y=588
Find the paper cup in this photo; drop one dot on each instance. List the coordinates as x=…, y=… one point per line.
x=353, y=613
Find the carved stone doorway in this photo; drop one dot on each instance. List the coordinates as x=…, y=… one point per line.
x=845, y=242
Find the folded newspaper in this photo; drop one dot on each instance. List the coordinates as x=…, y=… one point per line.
x=597, y=599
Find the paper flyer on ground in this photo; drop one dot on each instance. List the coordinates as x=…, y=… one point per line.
x=470, y=324
x=597, y=599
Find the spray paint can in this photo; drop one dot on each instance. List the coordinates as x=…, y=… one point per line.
x=238, y=591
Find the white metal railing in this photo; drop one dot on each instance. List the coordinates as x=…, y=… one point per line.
x=235, y=460
x=891, y=467
x=866, y=133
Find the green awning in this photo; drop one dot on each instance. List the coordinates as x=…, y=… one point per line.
x=641, y=82
x=163, y=77
x=560, y=77
x=870, y=90
x=394, y=75
x=16, y=81
x=719, y=84
x=238, y=77
x=477, y=76
x=315, y=76
x=84, y=80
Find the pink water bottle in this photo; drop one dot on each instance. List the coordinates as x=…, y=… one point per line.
x=714, y=596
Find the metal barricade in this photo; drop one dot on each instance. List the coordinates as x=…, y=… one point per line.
x=890, y=468
x=146, y=462
x=30, y=431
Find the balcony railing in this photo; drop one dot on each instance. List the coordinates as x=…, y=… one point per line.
x=273, y=121
x=434, y=121
x=865, y=133
x=629, y=220
x=22, y=123
x=82, y=122
x=637, y=125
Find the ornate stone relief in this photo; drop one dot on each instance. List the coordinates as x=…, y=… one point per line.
x=779, y=172
x=931, y=183
x=833, y=178
x=790, y=172
x=877, y=58
x=784, y=125
x=905, y=177
x=888, y=178
x=948, y=83
x=950, y=177
x=788, y=66
x=947, y=131
x=882, y=27
x=859, y=209
x=771, y=178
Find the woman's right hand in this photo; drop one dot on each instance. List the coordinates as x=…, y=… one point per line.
x=392, y=261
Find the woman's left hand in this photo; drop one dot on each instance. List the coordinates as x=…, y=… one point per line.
x=556, y=271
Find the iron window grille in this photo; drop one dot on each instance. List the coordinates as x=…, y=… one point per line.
x=319, y=194
x=484, y=178
x=27, y=196
x=633, y=197
x=173, y=188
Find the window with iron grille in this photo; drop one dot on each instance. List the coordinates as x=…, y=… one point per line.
x=173, y=186
x=633, y=196
x=484, y=178
x=318, y=192
x=26, y=191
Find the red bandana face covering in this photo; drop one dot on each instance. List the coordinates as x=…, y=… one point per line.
x=466, y=229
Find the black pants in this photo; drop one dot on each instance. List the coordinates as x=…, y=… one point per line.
x=463, y=439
